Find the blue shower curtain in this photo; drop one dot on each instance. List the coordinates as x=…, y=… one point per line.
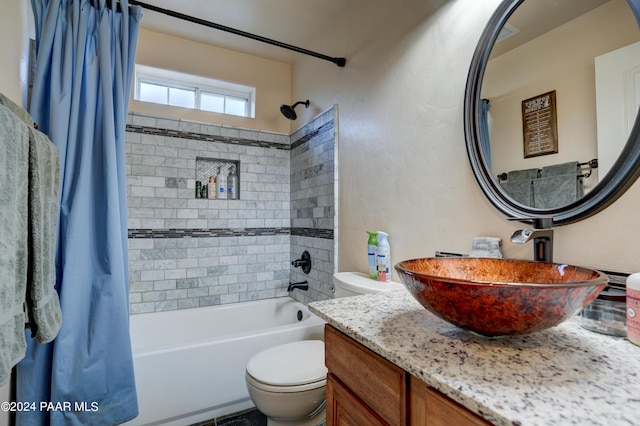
x=635, y=8
x=485, y=139
x=85, y=59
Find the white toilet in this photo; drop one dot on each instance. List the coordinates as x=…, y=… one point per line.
x=354, y=283
x=287, y=382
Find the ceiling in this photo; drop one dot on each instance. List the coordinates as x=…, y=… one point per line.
x=293, y=22
x=536, y=17
x=301, y=23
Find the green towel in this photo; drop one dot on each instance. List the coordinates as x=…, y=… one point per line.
x=14, y=160
x=571, y=167
x=17, y=110
x=44, y=176
x=30, y=173
x=524, y=174
x=556, y=191
x=520, y=190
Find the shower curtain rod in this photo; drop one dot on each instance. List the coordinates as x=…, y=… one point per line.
x=341, y=62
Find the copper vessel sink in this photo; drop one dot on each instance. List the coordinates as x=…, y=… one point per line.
x=497, y=297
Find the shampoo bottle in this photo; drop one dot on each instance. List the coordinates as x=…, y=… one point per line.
x=222, y=186
x=213, y=188
x=384, y=257
x=232, y=185
x=372, y=246
x=633, y=308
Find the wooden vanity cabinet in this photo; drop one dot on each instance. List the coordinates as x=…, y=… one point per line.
x=346, y=408
x=374, y=384
x=429, y=407
x=363, y=388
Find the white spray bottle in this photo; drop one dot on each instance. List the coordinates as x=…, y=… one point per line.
x=384, y=257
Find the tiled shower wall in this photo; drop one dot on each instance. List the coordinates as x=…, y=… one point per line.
x=313, y=204
x=186, y=252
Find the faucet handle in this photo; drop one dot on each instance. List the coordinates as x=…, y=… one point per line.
x=521, y=236
x=304, y=262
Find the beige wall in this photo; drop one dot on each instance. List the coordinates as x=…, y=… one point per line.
x=568, y=68
x=403, y=166
x=14, y=48
x=271, y=79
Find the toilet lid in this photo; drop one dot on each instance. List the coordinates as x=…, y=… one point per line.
x=291, y=364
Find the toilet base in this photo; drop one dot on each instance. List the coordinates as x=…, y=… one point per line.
x=318, y=419
x=301, y=408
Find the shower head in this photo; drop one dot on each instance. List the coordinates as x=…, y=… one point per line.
x=289, y=110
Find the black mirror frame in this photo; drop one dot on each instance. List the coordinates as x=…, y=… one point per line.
x=622, y=175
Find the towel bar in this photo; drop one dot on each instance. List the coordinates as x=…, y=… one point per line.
x=592, y=164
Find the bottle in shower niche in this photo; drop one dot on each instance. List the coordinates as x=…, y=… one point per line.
x=633, y=308
x=213, y=188
x=384, y=257
x=232, y=186
x=372, y=246
x=222, y=186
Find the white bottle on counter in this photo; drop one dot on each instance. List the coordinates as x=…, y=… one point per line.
x=384, y=257
x=633, y=308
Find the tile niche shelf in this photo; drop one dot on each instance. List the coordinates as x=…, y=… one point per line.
x=206, y=167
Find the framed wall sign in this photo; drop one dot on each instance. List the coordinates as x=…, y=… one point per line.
x=540, y=125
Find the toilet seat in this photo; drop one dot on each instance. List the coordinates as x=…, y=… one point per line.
x=291, y=367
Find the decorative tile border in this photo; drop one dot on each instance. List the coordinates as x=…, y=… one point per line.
x=203, y=137
x=320, y=130
x=228, y=232
x=313, y=232
x=206, y=232
x=226, y=139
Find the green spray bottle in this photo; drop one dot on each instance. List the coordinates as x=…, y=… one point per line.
x=372, y=246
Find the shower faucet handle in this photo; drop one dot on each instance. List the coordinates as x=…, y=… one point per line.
x=304, y=262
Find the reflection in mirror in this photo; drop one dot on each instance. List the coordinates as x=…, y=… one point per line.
x=562, y=48
x=624, y=170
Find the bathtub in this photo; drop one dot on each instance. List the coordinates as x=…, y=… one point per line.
x=189, y=364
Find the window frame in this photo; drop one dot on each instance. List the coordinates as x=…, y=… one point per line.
x=177, y=80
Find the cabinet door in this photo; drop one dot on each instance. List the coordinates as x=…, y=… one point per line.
x=428, y=407
x=377, y=382
x=345, y=409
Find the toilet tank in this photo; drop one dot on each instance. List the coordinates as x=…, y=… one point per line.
x=354, y=283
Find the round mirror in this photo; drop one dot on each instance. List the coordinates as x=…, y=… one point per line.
x=551, y=105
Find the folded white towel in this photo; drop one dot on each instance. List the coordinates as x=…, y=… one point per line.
x=486, y=247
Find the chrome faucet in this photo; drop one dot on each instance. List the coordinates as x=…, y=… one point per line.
x=302, y=285
x=542, y=236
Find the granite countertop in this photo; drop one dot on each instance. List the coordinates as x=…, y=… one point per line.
x=561, y=376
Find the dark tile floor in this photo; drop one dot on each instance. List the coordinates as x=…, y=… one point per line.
x=251, y=417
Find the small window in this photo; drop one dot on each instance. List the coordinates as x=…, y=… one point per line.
x=189, y=91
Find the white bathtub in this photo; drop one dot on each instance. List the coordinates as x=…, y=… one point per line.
x=189, y=364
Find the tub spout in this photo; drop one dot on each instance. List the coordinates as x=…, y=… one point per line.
x=542, y=240
x=302, y=285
